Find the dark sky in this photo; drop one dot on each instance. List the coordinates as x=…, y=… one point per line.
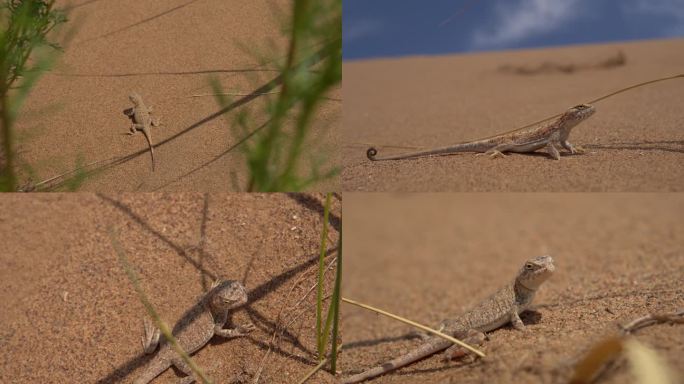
x=387, y=28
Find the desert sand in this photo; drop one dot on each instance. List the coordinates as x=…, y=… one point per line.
x=431, y=256
x=70, y=314
x=167, y=51
x=635, y=141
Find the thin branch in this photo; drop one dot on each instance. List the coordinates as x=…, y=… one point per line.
x=417, y=325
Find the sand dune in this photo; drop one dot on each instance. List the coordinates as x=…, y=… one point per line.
x=635, y=141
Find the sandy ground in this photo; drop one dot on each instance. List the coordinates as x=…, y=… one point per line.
x=635, y=140
x=427, y=257
x=69, y=313
x=166, y=50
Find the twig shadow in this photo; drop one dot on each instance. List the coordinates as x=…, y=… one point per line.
x=313, y=204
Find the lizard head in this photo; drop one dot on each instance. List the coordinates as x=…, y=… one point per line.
x=535, y=271
x=228, y=294
x=135, y=99
x=578, y=113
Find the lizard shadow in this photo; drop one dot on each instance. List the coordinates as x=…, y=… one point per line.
x=529, y=316
x=381, y=340
x=661, y=146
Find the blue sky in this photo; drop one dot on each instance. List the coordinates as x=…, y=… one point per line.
x=389, y=28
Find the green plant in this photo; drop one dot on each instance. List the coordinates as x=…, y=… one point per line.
x=332, y=318
x=313, y=67
x=25, y=54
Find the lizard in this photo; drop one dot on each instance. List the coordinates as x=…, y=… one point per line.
x=141, y=120
x=526, y=139
x=499, y=309
x=194, y=330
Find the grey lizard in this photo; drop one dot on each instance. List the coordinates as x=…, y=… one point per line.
x=204, y=320
x=141, y=120
x=501, y=308
x=528, y=139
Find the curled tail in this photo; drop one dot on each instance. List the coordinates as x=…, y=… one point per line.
x=370, y=153
x=472, y=146
x=423, y=351
x=149, y=141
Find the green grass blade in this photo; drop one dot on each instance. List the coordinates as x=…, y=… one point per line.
x=320, y=334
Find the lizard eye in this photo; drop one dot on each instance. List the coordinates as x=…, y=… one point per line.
x=529, y=266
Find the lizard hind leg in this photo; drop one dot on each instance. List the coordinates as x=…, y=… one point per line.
x=471, y=337
x=498, y=151
x=185, y=368
x=553, y=152
x=150, y=340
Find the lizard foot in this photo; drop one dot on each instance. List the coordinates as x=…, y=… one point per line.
x=151, y=338
x=245, y=328
x=494, y=154
x=578, y=150
x=239, y=331
x=473, y=337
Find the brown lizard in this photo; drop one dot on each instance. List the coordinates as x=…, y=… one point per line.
x=141, y=120
x=501, y=308
x=527, y=139
x=204, y=320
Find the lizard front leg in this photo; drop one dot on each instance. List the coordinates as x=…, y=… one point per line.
x=516, y=321
x=573, y=150
x=239, y=331
x=230, y=333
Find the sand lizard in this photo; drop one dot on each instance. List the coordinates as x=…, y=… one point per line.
x=501, y=308
x=141, y=120
x=528, y=139
x=204, y=320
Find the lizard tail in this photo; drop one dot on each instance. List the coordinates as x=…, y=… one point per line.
x=463, y=147
x=149, y=141
x=423, y=351
x=154, y=369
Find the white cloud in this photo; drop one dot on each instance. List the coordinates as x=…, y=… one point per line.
x=672, y=8
x=519, y=20
x=358, y=29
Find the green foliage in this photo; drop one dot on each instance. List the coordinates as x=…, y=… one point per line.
x=313, y=67
x=25, y=53
x=332, y=318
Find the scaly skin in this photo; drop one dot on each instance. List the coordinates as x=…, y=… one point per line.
x=142, y=120
x=529, y=139
x=197, y=326
x=501, y=308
